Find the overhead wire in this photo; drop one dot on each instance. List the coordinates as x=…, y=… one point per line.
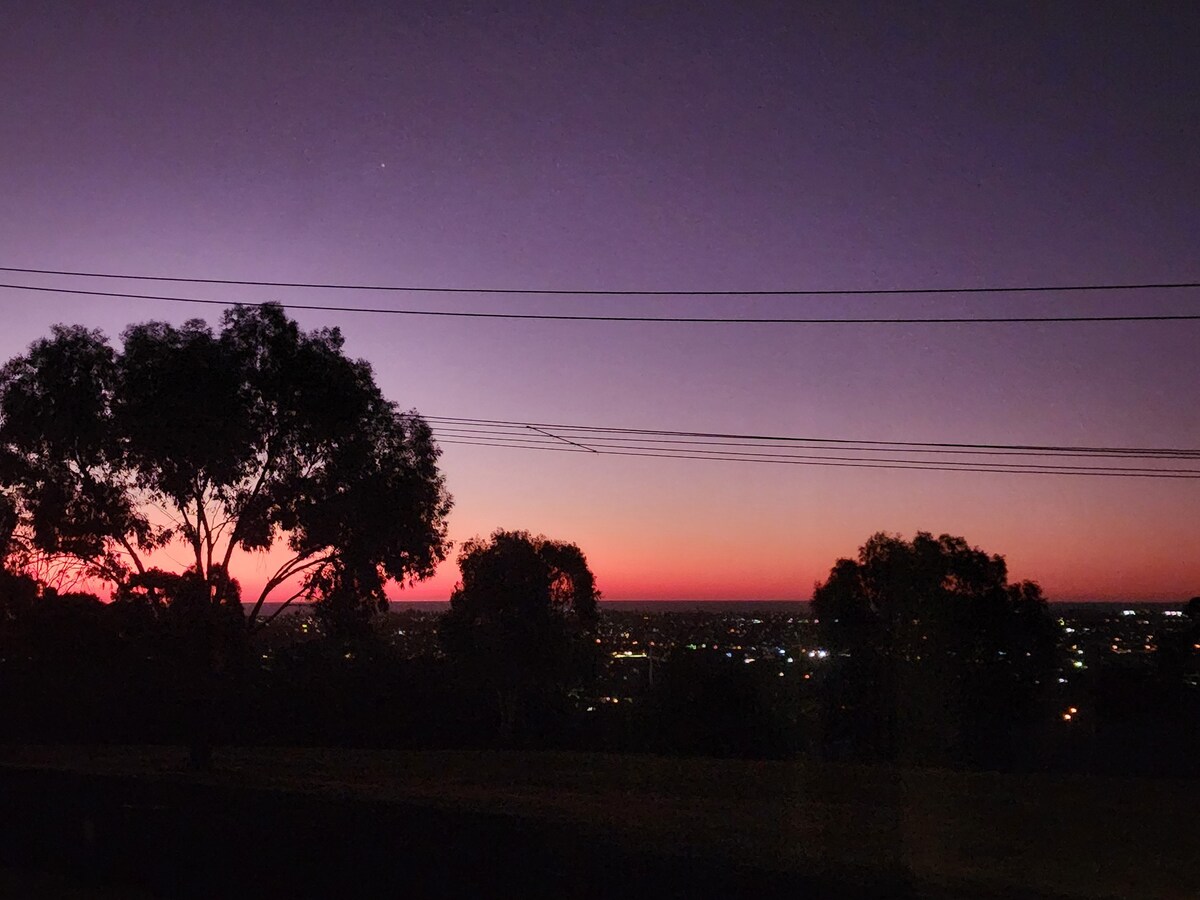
x=912, y=465
x=768, y=449
x=657, y=443
x=678, y=320
x=437, y=421
x=751, y=456
x=684, y=443
x=571, y=292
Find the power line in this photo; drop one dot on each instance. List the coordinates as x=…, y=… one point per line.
x=965, y=465
x=821, y=292
x=866, y=464
x=562, y=439
x=693, y=320
x=813, y=451
x=766, y=442
x=1185, y=452
x=791, y=450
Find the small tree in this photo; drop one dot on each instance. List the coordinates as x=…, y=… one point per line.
x=939, y=655
x=520, y=618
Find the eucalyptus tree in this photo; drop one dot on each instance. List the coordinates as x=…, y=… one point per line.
x=256, y=438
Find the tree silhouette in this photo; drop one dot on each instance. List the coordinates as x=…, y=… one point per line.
x=938, y=655
x=520, y=617
x=248, y=438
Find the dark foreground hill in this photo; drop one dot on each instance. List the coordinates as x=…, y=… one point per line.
x=352, y=823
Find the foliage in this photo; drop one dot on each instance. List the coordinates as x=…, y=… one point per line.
x=247, y=438
x=938, y=654
x=521, y=616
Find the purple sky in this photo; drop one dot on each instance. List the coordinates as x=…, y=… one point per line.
x=706, y=146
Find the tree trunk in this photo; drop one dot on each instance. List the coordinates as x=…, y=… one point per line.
x=205, y=682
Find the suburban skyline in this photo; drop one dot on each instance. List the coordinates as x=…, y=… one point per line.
x=657, y=150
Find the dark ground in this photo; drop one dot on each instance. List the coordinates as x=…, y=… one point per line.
x=357, y=823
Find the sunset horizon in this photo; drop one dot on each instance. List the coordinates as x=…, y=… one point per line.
x=600, y=450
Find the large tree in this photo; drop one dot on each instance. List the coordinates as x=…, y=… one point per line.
x=248, y=438
x=938, y=655
x=520, y=618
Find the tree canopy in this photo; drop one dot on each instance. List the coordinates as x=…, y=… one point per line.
x=519, y=615
x=250, y=437
x=931, y=629
x=929, y=596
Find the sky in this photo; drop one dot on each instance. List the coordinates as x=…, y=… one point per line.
x=691, y=146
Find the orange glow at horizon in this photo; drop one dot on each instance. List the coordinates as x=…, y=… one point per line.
x=679, y=570
x=704, y=535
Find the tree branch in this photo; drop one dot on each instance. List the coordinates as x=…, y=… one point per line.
x=166, y=512
x=137, y=560
x=198, y=538
x=282, y=606
x=203, y=533
x=188, y=528
x=294, y=566
x=254, y=492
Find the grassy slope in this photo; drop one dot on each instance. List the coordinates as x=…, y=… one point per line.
x=1083, y=837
